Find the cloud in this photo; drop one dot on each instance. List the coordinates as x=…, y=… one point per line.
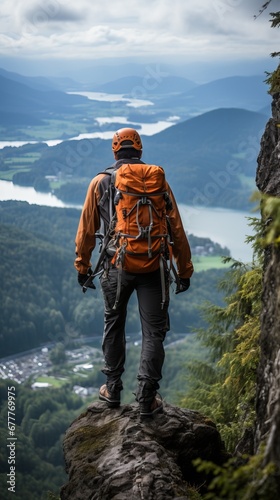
x=195, y=29
x=49, y=11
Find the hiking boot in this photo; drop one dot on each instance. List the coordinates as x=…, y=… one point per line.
x=111, y=397
x=149, y=409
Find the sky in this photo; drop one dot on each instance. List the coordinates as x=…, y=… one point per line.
x=87, y=30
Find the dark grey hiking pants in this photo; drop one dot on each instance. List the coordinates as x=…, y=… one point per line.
x=154, y=323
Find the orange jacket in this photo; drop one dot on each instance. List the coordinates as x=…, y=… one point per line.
x=90, y=223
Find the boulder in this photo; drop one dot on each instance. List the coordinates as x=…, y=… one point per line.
x=110, y=454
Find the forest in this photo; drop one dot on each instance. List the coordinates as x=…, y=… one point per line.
x=42, y=303
x=40, y=296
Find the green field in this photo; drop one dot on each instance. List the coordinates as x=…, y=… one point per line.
x=55, y=129
x=203, y=263
x=14, y=163
x=55, y=382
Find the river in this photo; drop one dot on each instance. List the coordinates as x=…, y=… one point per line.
x=227, y=227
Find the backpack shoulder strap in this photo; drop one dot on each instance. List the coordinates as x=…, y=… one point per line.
x=106, y=188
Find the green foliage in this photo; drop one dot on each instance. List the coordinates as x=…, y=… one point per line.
x=224, y=387
x=72, y=192
x=41, y=301
x=268, y=229
x=271, y=215
x=42, y=418
x=42, y=184
x=273, y=79
x=57, y=354
x=233, y=481
x=275, y=23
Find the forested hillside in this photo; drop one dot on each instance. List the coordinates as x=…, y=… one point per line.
x=41, y=420
x=40, y=296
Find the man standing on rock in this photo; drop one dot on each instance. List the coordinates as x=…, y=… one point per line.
x=118, y=280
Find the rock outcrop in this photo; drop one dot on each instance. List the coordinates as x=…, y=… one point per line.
x=268, y=383
x=111, y=455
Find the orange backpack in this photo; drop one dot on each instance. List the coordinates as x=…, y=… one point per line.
x=141, y=230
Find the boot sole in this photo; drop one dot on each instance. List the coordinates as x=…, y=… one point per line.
x=110, y=402
x=151, y=414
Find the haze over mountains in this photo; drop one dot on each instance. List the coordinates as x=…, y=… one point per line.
x=39, y=95
x=217, y=123
x=27, y=102
x=235, y=91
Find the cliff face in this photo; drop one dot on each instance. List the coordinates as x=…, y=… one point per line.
x=268, y=383
x=111, y=455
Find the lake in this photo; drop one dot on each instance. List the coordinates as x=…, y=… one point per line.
x=227, y=227
x=144, y=128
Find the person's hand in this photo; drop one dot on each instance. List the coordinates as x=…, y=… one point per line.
x=183, y=286
x=83, y=278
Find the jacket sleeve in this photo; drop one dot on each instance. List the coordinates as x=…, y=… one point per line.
x=88, y=225
x=181, y=248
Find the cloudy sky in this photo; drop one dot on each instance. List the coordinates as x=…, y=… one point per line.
x=90, y=29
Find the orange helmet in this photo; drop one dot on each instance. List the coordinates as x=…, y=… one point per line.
x=126, y=138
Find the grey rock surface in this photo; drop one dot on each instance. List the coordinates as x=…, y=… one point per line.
x=268, y=379
x=111, y=455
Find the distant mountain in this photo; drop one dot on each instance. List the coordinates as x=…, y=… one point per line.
x=67, y=84
x=217, y=128
x=33, y=101
x=114, y=69
x=19, y=99
x=146, y=86
x=35, y=82
x=248, y=92
x=266, y=110
x=42, y=83
x=208, y=160
x=207, y=140
x=186, y=99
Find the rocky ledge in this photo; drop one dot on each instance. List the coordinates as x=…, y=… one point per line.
x=111, y=455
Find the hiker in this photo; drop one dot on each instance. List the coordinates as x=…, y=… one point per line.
x=150, y=277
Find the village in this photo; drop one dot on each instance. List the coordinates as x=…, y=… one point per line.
x=35, y=365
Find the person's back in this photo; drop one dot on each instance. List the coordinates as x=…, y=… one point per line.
x=119, y=279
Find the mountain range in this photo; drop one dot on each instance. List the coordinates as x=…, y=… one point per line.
x=40, y=98
x=248, y=92
x=214, y=150
x=18, y=100
x=147, y=85
x=177, y=93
